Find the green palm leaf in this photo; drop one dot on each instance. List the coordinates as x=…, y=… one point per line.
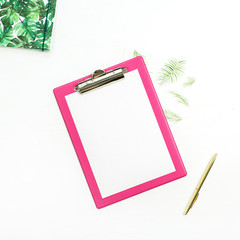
x=189, y=82
x=43, y=35
x=180, y=98
x=48, y=29
x=171, y=116
x=20, y=42
x=51, y=9
x=8, y=14
x=23, y=7
x=26, y=28
x=6, y=34
x=35, y=10
x=171, y=71
x=38, y=44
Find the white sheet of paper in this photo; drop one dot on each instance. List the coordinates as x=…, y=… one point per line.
x=120, y=134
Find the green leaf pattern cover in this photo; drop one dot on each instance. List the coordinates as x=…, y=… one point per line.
x=26, y=23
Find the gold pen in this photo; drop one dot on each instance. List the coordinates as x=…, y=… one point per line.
x=196, y=192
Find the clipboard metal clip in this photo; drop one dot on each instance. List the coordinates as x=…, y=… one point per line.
x=100, y=78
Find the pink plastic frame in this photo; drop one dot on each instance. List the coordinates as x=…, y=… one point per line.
x=130, y=65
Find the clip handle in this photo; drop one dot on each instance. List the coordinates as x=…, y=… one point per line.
x=100, y=78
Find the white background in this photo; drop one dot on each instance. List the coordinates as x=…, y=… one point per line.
x=43, y=193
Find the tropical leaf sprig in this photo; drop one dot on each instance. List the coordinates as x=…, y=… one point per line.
x=171, y=71
x=171, y=116
x=136, y=54
x=26, y=23
x=189, y=82
x=180, y=98
x=169, y=74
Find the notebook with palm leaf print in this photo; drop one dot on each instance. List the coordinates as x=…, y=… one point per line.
x=27, y=23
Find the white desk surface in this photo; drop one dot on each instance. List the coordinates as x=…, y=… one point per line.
x=43, y=193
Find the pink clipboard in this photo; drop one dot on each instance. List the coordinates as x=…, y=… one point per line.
x=66, y=94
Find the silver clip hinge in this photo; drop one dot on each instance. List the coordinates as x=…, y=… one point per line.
x=100, y=78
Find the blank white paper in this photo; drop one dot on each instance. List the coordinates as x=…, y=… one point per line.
x=120, y=134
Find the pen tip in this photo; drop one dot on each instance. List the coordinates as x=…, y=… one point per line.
x=186, y=212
